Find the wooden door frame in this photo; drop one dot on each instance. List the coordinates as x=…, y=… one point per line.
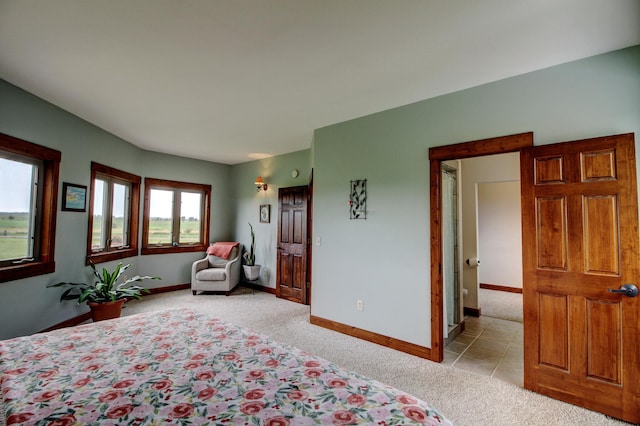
x=477, y=148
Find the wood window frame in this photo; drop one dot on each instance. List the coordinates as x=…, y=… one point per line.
x=152, y=183
x=134, y=213
x=44, y=255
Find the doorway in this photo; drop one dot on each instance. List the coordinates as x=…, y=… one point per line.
x=580, y=262
x=489, y=215
x=292, y=275
x=437, y=156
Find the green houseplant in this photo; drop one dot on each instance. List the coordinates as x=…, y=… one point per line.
x=105, y=296
x=251, y=270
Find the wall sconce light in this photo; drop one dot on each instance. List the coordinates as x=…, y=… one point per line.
x=260, y=184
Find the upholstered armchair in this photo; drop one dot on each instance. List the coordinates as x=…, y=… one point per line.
x=219, y=270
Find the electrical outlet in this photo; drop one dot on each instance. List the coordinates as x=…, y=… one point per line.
x=359, y=305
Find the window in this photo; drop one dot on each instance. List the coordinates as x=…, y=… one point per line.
x=28, y=207
x=113, y=214
x=176, y=216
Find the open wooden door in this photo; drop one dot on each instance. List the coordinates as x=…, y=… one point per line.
x=580, y=243
x=291, y=265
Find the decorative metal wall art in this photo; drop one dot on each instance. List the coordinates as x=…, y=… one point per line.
x=358, y=199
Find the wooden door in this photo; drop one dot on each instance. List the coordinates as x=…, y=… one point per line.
x=291, y=265
x=580, y=239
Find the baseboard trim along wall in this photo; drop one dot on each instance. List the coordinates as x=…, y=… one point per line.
x=259, y=287
x=70, y=322
x=389, y=342
x=501, y=288
x=167, y=289
x=472, y=312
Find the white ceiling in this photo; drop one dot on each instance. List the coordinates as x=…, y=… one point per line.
x=229, y=81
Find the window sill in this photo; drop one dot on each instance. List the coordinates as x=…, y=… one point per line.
x=12, y=273
x=172, y=249
x=111, y=255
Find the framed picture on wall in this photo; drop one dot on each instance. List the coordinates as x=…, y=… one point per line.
x=265, y=213
x=74, y=197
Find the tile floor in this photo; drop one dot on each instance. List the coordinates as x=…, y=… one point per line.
x=488, y=346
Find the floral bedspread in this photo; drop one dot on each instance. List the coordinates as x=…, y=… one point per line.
x=185, y=368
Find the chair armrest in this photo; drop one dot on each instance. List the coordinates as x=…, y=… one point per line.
x=232, y=270
x=230, y=264
x=199, y=265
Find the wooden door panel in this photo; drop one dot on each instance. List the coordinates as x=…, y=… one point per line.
x=299, y=275
x=286, y=198
x=598, y=165
x=603, y=340
x=549, y=170
x=284, y=269
x=299, y=220
x=580, y=239
x=601, y=225
x=553, y=324
x=299, y=199
x=284, y=226
x=551, y=232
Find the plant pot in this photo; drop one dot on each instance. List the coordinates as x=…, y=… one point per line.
x=106, y=310
x=251, y=273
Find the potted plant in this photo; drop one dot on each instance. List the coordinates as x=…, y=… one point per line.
x=251, y=270
x=105, y=296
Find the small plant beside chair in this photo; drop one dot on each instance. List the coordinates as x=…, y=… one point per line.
x=251, y=270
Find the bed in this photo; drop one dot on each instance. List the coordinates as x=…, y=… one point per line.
x=182, y=367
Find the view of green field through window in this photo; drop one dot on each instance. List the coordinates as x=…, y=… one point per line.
x=16, y=182
x=111, y=200
x=161, y=221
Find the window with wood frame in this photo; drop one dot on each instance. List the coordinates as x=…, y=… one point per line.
x=113, y=214
x=176, y=216
x=28, y=208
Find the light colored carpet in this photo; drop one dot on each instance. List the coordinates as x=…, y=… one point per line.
x=464, y=397
x=500, y=304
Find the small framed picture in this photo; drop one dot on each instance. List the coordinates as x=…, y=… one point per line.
x=265, y=213
x=74, y=197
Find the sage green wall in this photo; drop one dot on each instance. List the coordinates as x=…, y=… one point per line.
x=277, y=173
x=385, y=260
x=26, y=306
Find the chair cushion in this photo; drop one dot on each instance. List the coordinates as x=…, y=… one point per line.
x=211, y=274
x=218, y=262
